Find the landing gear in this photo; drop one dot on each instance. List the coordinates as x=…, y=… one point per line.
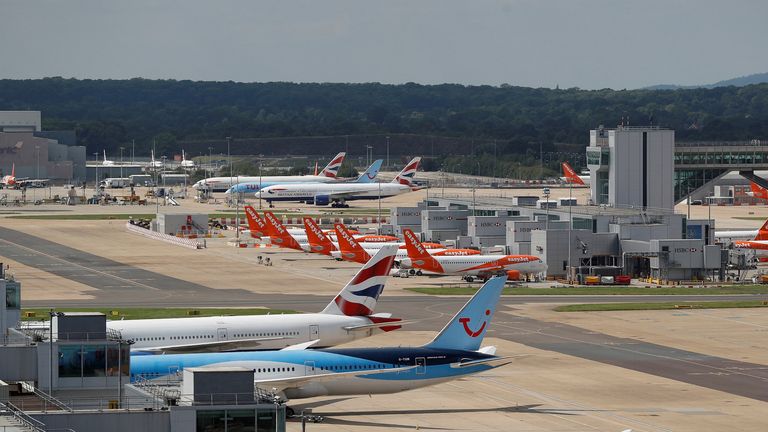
x=419, y=273
x=469, y=278
x=339, y=205
x=289, y=412
x=411, y=272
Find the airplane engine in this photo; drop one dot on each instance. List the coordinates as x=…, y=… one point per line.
x=322, y=200
x=513, y=275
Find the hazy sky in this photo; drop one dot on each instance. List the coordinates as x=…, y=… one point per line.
x=538, y=43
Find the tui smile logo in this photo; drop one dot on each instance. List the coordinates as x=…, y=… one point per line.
x=465, y=322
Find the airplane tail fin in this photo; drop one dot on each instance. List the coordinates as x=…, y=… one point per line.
x=465, y=331
x=359, y=296
x=405, y=177
x=762, y=233
x=318, y=241
x=570, y=175
x=370, y=174
x=105, y=155
x=332, y=169
x=315, y=168
x=256, y=224
x=349, y=247
x=419, y=256
x=279, y=234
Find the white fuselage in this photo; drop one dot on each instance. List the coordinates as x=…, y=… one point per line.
x=269, y=331
x=345, y=191
x=481, y=264
x=221, y=184
x=736, y=235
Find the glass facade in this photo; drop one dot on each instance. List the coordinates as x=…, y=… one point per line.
x=93, y=360
x=12, y=295
x=241, y=420
x=724, y=157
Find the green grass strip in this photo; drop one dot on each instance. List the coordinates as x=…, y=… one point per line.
x=604, y=290
x=604, y=307
x=146, y=313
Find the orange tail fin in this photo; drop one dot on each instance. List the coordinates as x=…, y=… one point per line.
x=279, y=234
x=570, y=175
x=318, y=241
x=419, y=256
x=762, y=233
x=256, y=224
x=758, y=191
x=349, y=248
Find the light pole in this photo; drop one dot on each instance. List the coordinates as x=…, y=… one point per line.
x=133, y=150
x=379, y=213
x=163, y=158
x=121, y=161
x=96, y=182
x=260, y=163
x=570, y=226
x=34, y=193
x=387, y=152
x=229, y=161
x=546, y=204
x=368, y=154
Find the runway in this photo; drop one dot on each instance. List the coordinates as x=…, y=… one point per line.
x=119, y=284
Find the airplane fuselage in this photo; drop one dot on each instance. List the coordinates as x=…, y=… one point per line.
x=221, y=184
x=419, y=367
x=345, y=191
x=256, y=332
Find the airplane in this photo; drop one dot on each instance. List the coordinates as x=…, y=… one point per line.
x=570, y=176
x=366, y=177
x=349, y=249
x=454, y=353
x=469, y=267
x=155, y=163
x=259, y=227
x=13, y=182
x=757, y=191
x=107, y=162
x=221, y=184
x=758, y=234
x=349, y=316
x=9, y=181
x=337, y=194
x=186, y=163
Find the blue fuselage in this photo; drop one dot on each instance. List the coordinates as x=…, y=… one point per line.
x=419, y=367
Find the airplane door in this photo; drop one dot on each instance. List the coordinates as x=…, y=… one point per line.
x=421, y=365
x=314, y=332
x=222, y=334
x=309, y=368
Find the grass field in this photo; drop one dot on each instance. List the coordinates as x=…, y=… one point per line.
x=145, y=313
x=603, y=307
x=604, y=290
x=760, y=218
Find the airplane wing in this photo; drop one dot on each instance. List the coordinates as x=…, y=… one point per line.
x=492, y=361
x=228, y=345
x=377, y=325
x=280, y=384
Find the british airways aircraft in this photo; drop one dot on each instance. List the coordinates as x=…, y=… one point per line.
x=221, y=184
x=294, y=374
x=349, y=316
x=368, y=176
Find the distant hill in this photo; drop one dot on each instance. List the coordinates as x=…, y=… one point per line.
x=758, y=78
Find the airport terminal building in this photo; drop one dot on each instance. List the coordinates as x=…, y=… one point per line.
x=628, y=227
x=38, y=154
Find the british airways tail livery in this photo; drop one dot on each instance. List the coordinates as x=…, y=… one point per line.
x=349, y=316
x=332, y=169
x=296, y=374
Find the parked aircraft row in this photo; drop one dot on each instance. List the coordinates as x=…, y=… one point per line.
x=411, y=254
x=12, y=182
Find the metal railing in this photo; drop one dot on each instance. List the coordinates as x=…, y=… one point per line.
x=23, y=418
x=45, y=397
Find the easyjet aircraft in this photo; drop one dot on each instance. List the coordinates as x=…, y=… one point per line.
x=758, y=234
x=349, y=249
x=570, y=176
x=469, y=267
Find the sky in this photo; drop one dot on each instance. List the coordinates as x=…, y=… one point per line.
x=589, y=44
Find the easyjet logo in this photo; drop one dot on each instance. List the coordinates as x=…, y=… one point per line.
x=347, y=237
x=255, y=217
x=415, y=243
x=278, y=226
x=314, y=228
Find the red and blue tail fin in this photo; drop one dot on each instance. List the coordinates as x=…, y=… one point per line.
x=465, y=331
x=405, y=177
x=318, y=241
x=332, y=169
x=359, y=296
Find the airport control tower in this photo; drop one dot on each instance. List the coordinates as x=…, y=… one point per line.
x=632, y=167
